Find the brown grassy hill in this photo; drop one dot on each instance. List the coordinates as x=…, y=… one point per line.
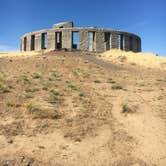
x=143, y=59
x=72, y=108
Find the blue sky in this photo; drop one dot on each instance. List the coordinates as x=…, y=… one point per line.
x=147, y=18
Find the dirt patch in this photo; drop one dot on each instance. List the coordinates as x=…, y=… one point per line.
x=70, y=108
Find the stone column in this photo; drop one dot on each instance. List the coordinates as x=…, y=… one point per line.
x=99, y=41
x=51, y=40
x=139, y=45
x=135, y=44
x=83, y=40
x=114, y=41
x=28, y=47
x=126, y=43
x=22, y=44
x=67, y=39
x=38, y=45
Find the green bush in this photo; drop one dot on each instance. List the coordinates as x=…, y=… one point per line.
x=117, y=87
x=97, y=81
x=72, y=86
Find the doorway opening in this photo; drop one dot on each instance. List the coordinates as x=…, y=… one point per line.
x=25, y=43
x=75, y=40
x=131, y=43
x=58, y=40
x=121, y=42
x=44, y=40
x=107, y=40
x=32, y=42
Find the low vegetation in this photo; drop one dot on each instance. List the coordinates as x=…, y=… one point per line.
x=117, y=87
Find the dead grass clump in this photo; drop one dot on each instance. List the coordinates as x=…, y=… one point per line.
x=25, y=79
x=126, y=108
x=117, y=87
x=111, y=81
x=72, y=86
x=81, y=94
x=122, y=58
x=55, y=97
x=4, y=89
x=36, y=75
x=97, y=81
x=31, y=90
x=43, y=112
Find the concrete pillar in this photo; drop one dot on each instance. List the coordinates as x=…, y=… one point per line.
x=122, y=42
x=91, y=38
x=126, y=43
x=100, y=41
x=28, y=47
x=83, y=40
x=38, y=45
x=135, y=47
x=51, y=40
x=114, y=41
x=139, y=45
x=107, y=40
x=22, y=44
x=67, y=39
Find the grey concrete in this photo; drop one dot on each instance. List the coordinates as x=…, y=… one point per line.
x=51, y=40
x=63, y=25
x=83, y=40
x=38, y=41
x=114, y=41
x=28, y=47
x=90, y=38
x=67, y=39
x=99, y=41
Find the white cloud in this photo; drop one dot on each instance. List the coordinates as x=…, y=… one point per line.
x=6, y=48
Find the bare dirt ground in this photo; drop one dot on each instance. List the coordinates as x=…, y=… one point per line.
x=73, y=109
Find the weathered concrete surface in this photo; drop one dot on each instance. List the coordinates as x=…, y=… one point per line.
x=83, y=40
x=38, y=42
x=67, y=39
x=92, y=39
x=51, y=40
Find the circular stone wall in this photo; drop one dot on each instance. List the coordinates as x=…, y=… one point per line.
x=65, y=36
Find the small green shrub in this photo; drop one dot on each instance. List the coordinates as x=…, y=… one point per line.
x=36, y=75
x=97, y=81
x=117, y=87
x=122, y=58
x=25, y=79
x=55, y=92
x=111, y=81
x=9, y=104
x=81, y=94
x=33, y=89
x=4, y=89
x=45, y=88
x=72, y=86
x=125, y=108
x=129, y=108
x=55, y=99
x=32, y=108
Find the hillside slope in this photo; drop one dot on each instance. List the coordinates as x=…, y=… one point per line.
x=70, y=109
x=147, y=60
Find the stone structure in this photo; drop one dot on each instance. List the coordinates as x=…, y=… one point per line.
x=66, y=36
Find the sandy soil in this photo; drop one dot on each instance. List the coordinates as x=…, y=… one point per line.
x=70, y=109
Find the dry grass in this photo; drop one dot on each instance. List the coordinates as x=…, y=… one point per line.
x=148, y=60
x=27, y=53
x=66, y=109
